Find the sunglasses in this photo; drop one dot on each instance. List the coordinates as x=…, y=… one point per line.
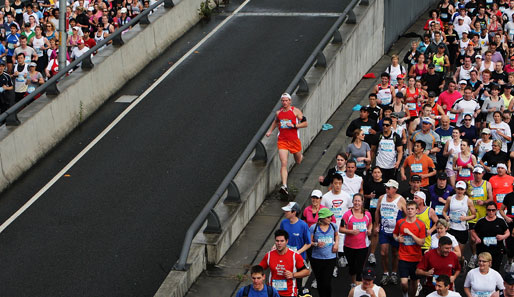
x=467, y=119
x=386, y=125
x=489, y=209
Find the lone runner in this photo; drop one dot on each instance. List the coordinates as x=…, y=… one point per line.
x=288, y=120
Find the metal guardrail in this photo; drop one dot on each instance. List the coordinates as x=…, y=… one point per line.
x=10, y=117
x=300, y=84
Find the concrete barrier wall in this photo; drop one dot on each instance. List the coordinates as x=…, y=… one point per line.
x=48, y=120
x=400, y=14
x=328, y=88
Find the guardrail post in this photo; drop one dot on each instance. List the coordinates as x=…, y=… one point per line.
x=364, y=2
x=233, y=194
x=260, y=153
x=117, y=40
x=12, y=120
x=213, y=223
x=352, y=18
x=168, y=3
x=87, y=64
x=52, y=89
x=144, y=20
x=337, y=38
x=303, y=87
x=321, y=61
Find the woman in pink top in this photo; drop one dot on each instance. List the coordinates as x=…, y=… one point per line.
x=464, y=162
x=310, y=213
x=356, y=224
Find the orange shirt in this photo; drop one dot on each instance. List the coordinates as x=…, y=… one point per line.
x=409, y=250
x=501, y=186
x=419, y=166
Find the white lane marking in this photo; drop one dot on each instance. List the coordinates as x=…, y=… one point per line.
x=114, y=123
x=290, y=14
x=126, y=99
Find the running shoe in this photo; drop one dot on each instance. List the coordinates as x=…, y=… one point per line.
x=418, y=290
x=342, y=262
x=334, y=273
x=385, y=279
x=372, y=259
x=472, y=262
x=394, y=278
x=314, y=284
x=283, y=190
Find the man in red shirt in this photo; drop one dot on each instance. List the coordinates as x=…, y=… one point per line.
x=447, y=99
x=285, y=265
x=501, y=184
x=438, y=262
x=288, y=120
x=410, y=232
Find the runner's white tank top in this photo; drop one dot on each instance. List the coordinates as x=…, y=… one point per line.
x=458, y=209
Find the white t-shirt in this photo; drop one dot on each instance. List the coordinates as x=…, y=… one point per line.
x=338, y=204
x=468, y=107
x=504, y=129
x=435, y=240
x=483, y=285
x=352, y=185
x=76, y=53
x=450, y=294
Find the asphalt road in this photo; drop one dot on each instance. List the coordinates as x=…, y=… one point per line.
x=114, y=225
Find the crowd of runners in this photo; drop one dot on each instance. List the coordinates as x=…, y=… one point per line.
x=425, y=186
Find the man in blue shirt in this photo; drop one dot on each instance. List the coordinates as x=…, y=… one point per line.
x=257, y=288
x=299, y=235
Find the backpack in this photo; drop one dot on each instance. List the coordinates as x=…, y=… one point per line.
x=246, y=291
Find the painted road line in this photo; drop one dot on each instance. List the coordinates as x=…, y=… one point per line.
x=115, y=122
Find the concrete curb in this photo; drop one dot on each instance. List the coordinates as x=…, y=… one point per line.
x=48, y=120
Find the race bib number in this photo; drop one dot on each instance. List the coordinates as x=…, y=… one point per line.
x=488, y=241
x=455, y=217
x=439, y=210
x=408, y=240
x=293, y=248
x=416, y=168
x=444, y=139
x=386, y=146
x=361, y=226
x=31, y=89
x=434, y=277
x=411, y=105
x=500, y=198
x=478, y=192
x=489, y=1
x=494, y=170
x=451, y=115
x=465, y=172
x=365, y=129
x=283, y=124
x=482, y=294
x=18, y=11
x=10, y=45
x=328, y=240
x=386, y=100
x=512, y=209
x=279, y=284
x=39, y=51
x=373, y=203
x=444, y=15
x=438, y=68
x=337, y=211
x=511, y=31
x=388, y=213
x=360, y=164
